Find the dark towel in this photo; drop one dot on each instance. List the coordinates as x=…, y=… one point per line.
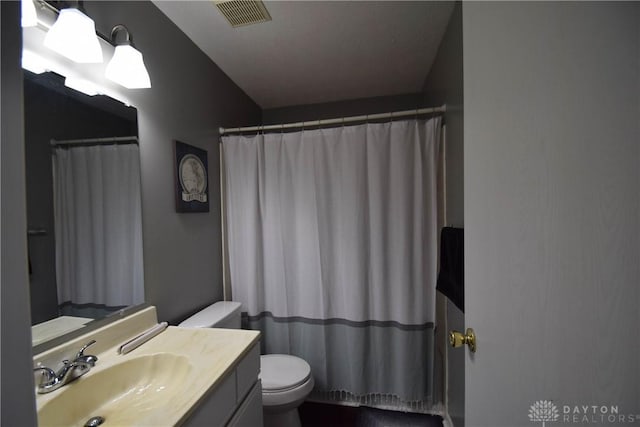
x=451, y=276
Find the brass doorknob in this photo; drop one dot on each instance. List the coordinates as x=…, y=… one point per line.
x=457, y=339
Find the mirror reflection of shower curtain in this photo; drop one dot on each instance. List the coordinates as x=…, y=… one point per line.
x=332, y=240
x=98, y=227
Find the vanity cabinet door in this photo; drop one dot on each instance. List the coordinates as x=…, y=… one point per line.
x=237, y=401
x=249, y=414
x=247, y=372
x=217, y=407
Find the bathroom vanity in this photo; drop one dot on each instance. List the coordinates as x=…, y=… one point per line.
x=181, y=377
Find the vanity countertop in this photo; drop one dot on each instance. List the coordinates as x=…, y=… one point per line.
x=177, y=368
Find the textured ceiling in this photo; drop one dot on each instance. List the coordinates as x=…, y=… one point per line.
x=320, y=51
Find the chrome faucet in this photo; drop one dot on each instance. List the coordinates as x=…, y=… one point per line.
x=70, y=371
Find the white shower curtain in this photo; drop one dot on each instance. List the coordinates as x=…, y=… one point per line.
x=98, y=225
x=332, y=239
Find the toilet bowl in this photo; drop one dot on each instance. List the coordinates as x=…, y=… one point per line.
x=286, y=383
x=286, y=380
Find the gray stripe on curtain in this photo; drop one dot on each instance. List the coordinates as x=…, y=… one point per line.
x=383, y=357
x=337, y=321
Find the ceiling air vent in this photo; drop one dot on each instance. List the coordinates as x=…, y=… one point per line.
x=243, y=12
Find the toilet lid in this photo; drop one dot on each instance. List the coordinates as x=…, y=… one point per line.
x=282, y=372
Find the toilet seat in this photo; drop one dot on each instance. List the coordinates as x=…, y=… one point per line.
x=282, y=372
x=286, y=381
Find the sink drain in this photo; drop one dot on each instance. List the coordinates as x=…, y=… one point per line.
x=94, y=422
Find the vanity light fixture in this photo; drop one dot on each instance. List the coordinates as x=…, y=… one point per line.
x=81, y=85
x=127, y=66
x=73, y=35
x=29, y=15
x=34, y=62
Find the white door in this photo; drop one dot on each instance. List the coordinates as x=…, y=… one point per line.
x=552, y=220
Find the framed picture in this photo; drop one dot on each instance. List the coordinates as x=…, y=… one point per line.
x=191, y=178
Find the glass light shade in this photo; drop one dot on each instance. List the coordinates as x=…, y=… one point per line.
x=33, y=62
x=74, y=36
x=127, y=68
x=29, y=15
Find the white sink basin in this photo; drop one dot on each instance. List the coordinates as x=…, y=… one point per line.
x=125, y=394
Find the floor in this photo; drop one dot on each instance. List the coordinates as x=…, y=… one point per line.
x=324, y=415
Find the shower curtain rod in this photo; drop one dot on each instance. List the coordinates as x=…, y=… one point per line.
x=95, y=141
x=341, y=120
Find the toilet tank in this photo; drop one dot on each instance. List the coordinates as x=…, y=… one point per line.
x=222, y=314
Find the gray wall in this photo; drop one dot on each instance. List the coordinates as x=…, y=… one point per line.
x=18, y=406
x=332, y=110
x=552, y=207
x=444, y=85
x=189, y=99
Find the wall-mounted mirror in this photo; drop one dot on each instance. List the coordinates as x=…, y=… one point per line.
x=83, y=206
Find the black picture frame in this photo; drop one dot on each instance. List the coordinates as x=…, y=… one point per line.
x=191, y=173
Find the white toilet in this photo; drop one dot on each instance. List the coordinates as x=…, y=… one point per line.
x=286, y=380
